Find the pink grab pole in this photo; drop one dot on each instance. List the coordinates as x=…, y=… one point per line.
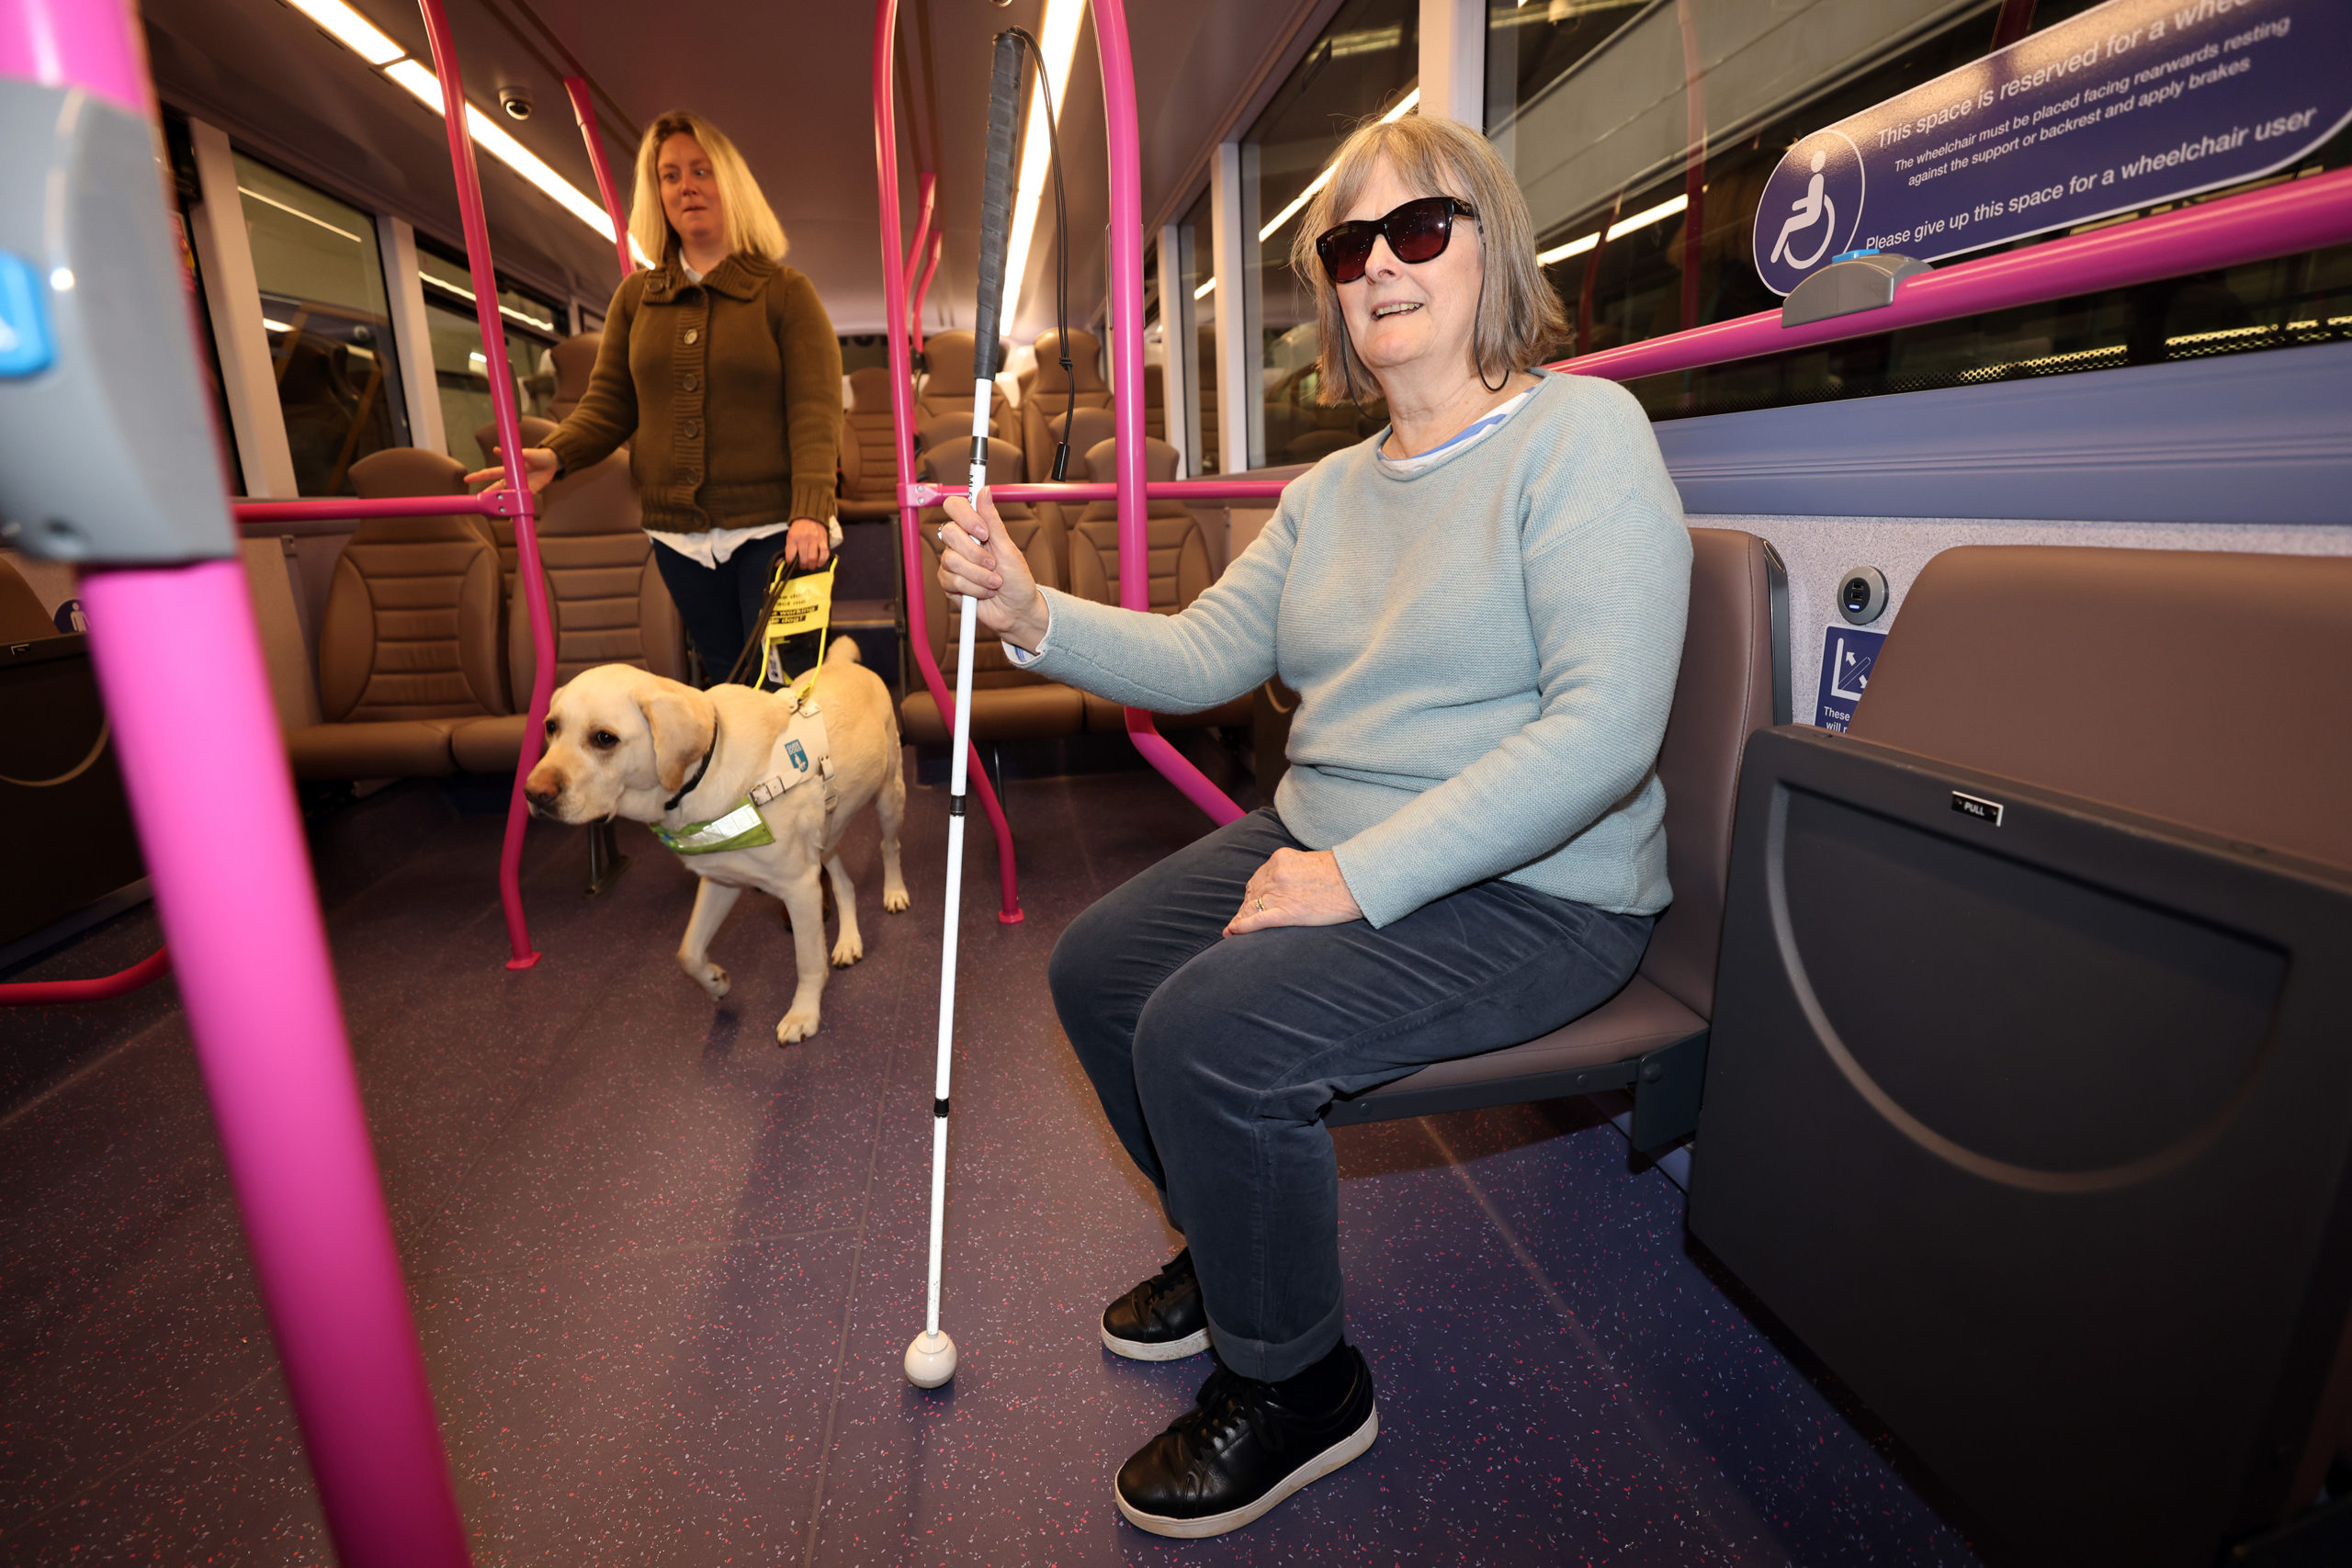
x=179, y=662
x=583, y=114
x=902, y=409
x=1126, y=380
x=521, y=954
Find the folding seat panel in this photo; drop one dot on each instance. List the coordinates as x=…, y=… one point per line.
x=2031, y=1116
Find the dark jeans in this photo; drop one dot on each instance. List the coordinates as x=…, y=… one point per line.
x=720, y=606
x=1216, y=1057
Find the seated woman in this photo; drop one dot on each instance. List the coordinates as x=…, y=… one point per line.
x=1482, y=611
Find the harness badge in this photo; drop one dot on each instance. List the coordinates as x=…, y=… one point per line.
x=797, y=755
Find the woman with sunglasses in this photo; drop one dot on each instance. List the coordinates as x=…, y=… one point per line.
x=1482, y=611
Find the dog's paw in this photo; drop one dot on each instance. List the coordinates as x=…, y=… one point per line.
x=795, y=1026
x=714, y=982
x=848, y=950
x=895, y=900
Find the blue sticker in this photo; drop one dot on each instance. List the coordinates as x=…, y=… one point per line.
x=27, y=347
x=800, y=758
x=2131, y=103
x=1848, y=656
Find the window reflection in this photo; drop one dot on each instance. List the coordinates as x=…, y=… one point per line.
x=324, y=308
x=1363, y=65
x=461, y=369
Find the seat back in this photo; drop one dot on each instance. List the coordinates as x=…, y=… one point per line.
x=1053, y=393
x=950, y=464
x=407, y=470
x=1734, y=681
x=946, y=387
x=1182, y=564
x=2089, y=670
x=535, y=430
x=412, y=623
x=867, y=423
x=606, y=596
x=22, y=619
x=575, y=360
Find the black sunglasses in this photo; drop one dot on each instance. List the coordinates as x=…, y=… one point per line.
x=1417, y=232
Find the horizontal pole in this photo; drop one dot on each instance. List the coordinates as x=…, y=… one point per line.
x=2277, y=221
x=1164, y=490
x=489, y=503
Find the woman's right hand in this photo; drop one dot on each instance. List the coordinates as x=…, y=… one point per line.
x=539, y=466
x=978, y=557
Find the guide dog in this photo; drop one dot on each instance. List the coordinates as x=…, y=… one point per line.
x=750, y=788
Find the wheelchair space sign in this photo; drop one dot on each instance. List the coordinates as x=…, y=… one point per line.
x=1848, y=656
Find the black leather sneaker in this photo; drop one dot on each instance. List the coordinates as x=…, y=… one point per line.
x=1162, y=1319
x=1239, y=1451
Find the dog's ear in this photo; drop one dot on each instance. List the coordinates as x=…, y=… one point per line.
x=682, y=722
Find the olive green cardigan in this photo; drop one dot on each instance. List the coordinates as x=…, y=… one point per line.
x=729, y=389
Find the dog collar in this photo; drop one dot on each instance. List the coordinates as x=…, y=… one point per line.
x=700, y=768
x=802, y=753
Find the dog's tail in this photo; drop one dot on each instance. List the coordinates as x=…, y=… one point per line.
x=843, y=650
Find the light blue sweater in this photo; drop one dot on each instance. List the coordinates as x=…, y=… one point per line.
x=1484, y=653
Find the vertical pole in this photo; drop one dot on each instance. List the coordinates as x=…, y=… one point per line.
x=1453, y=61
x=1175, y=349
x=922, y=287
x=902, y=411
x=522, y=955
x=583, y=114
x=1229, y=233
x=179, y=664
x=1126, y=380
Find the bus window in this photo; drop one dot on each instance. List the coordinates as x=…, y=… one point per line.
x=323, y=305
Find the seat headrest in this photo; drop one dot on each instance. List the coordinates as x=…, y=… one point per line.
x=535, y=430
x=951, y=357
x=869, y=390
x=943, y=428
x=950, y=462
x=22, y=619
x=1158, y=461
x=2207, y=688
x=1085, y=369
x=407, y=470
x=1089, y=428
x=574, y=358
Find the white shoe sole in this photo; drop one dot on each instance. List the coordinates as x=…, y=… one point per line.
x=1141, y=1350
x=1314, y=1469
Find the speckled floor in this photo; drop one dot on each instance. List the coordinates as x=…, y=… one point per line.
x=664, y=1271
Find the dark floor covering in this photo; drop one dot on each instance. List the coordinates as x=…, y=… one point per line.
x=664, y=1271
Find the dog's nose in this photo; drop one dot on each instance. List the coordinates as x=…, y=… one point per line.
x=541, y=797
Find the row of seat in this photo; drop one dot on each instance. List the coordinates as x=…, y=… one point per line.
x=424, y=649
x=1075, y=548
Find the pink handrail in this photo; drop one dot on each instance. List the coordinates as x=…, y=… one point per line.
x=522, y=955
x=488, y=503
x=43, y=993
x=922, y=287
x=1127, y=378
x=179, y=664
x=903, y=413
x=583, y=114
x=924, y=493
x=2279, y=219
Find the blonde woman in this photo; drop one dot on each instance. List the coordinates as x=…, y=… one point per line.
x=721, y=368
x=1482, y=609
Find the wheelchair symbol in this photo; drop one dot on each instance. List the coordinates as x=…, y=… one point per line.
x=1813, y=207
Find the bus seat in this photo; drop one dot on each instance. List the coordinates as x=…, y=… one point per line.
x=946, y=384
x=2030, y=1025
x=407, y=470
x=869, y=469
x=1055, y=393
x=22, y=619
x=1155, y=402
x=1651, y=1038
x=407, y=651
x=1182, y=565
x=576, y=361
x=604, y=593
x=534, y=432
x=1007, y=703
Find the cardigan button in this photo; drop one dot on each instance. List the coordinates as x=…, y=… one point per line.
x=693, y=383
x=690, y=476
x=690, y=427
x=694, y=334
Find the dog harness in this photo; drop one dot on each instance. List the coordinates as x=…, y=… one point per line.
x=802, y=753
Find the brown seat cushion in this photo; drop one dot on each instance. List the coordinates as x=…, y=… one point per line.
x=487, y=745
x=1040, y=711
x=391, y=749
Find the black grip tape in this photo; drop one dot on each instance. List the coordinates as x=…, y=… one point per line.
x=996, y=201
x=939, y=1109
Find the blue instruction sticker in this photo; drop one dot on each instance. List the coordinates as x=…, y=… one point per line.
x=1848, y=656
x=26, y=346
x=2131, y=103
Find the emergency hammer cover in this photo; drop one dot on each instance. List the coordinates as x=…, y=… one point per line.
x=996, y=201
x=107, y=448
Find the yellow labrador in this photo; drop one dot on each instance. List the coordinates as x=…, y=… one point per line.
x=745, y=768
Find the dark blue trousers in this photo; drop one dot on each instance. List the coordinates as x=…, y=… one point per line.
x=719, y=606
x=1214, y=1057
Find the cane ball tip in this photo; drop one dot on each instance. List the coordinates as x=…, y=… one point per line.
x=931, y=1361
